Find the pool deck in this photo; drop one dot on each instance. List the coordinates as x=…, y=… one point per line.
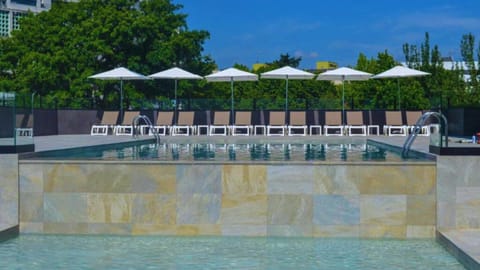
x=465, y=245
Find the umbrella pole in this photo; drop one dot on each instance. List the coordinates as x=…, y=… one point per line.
x=231, y=86
x=343, y=101
x=286, y=99
x=176, y=105
x=398, y=90
x=121, y=101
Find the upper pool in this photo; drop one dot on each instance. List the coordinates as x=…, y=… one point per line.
x=218, y=151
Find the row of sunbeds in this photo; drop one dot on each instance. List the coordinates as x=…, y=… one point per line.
x=354, y=125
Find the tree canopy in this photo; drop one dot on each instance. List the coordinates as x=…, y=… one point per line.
x=55, y=52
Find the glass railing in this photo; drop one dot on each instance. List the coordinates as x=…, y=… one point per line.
x=16, y=132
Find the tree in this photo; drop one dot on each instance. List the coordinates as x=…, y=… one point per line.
x=467, y=46
x=54, y=52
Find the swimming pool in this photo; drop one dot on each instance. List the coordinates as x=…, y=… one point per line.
x=114, y=252
x=222, y=152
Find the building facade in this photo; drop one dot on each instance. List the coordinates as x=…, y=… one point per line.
x=12, y=10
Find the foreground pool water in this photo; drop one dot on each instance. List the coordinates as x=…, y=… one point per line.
x=124, y=252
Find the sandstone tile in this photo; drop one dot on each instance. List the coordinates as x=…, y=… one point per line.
x=290, y=179
x=244, y=230
x=385, y=210
x=31, y=207
x=65, y=178
x=349, y=231
x=199, y=179
x=65, y=207
x=290, y=209
x=383, y=231
x=421, y=210
x=244, y=179
x=31, y=177
x=109, y=208
x=336, y=210
x=305, y=230
x=244, y=209
x=332, y=179
x=198, y=209
x=415, y=231
x=154, y=209
x=65, y=228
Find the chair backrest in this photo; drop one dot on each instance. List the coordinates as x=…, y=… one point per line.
x=109, y=117
x=128, y=117
x=298, y=118
x=393, y=118
x=243, y=118
x=221, y=118
x=24, y=121
x=277, y=118
x=355, y=118
x=185, y=118
x=164, y=118
x=412, y=117
x=333, y=118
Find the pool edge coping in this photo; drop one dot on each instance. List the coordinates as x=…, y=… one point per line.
x=455, y=250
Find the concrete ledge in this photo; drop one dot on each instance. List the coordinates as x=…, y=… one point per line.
x=458, y=251
x=9, y=233
x=455, y=151
x=22, y=148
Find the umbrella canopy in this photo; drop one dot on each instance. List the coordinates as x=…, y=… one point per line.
x=344, y=74
x=231, y=75
x=121, y=74
x=400, y=72
x=287, y=73
x=176, y=74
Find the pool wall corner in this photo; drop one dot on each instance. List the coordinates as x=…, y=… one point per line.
x=9, y=193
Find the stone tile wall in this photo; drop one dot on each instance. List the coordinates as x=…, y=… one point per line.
x=8, y=191
x=458, y=192
x=330, y=200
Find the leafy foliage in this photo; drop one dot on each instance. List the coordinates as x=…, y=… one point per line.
x=55, y=52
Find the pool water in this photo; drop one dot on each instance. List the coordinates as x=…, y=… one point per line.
x=233, y=152
x=119, y=252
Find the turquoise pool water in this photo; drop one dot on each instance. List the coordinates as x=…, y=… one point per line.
x=111, y=252
x=233, y=152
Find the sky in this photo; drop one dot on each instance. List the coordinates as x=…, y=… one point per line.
x=250, y=31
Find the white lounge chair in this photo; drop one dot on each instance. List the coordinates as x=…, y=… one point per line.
x=243, y=124
x=276, y=125
x=333, y=124
x=394, y=124
x=109, y=121
x=298, y=124
x=163, y=123
x=355, y=124
x=184, y=125
x=126, y=128
x=412, y=118
x=24, y=125
x=221, y=122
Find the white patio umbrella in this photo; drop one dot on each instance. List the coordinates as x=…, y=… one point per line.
x=400, y=72
x=121, y=74
x=344, y=74
x=287, y=73
x=231, y=75
x=176, y=74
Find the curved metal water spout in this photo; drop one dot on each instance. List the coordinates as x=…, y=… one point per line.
x=418, y=127
x=148, y=123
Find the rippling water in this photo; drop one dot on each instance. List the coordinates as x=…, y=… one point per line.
x=124, y=252
x=235, y=152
